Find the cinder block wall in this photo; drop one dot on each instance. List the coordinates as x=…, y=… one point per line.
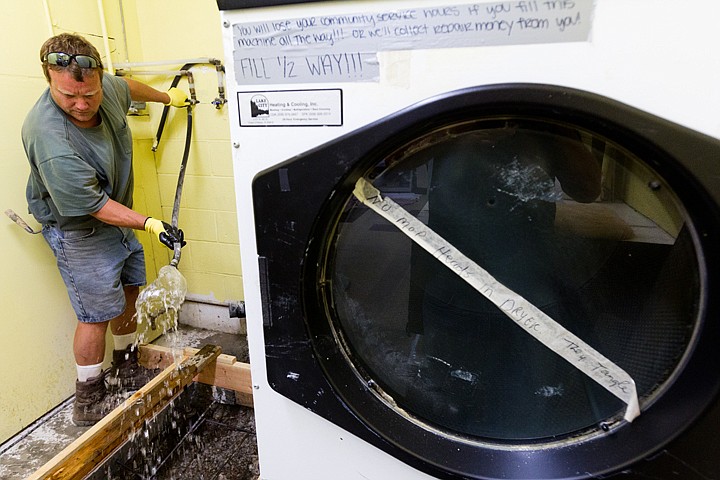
x=190, y=29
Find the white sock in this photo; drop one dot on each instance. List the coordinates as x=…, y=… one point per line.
x=86, y=372
x=123, y=341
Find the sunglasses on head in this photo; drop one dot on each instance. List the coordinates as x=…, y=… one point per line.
x=63, y=60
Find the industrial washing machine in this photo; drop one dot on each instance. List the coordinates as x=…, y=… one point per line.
x=479, y=240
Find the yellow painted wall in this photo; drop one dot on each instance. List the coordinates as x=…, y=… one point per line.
x=37, y=322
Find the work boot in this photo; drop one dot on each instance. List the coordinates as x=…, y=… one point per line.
x=92, y=401
x=126, y=374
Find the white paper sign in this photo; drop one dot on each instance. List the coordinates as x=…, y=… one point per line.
x=343, y=47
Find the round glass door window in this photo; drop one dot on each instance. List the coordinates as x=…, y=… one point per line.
x=572, y=224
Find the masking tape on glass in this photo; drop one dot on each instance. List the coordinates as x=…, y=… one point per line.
x=528, y=317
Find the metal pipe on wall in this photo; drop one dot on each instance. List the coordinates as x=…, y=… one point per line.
x=129, y=73
x=208, y=60
x=124, y=30
x=46, y=7
x=106, y=41
x=186, y=73
x=124, y=69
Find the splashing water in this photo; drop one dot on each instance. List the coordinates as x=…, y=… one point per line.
x=159, y=303
x=157, y=306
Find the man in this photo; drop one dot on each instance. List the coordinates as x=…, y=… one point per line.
x=80, y=188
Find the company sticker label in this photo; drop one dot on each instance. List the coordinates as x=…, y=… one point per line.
x=291, y=108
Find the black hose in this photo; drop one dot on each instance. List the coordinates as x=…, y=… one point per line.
x=166, y=108
x=183, y=164
x=181, y=180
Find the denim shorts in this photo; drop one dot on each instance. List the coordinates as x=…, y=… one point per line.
x=95, y=264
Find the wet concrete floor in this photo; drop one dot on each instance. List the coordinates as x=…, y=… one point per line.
x=204, y=434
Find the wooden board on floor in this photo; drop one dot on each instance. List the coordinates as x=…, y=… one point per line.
x=79, y=458
x=226, y=372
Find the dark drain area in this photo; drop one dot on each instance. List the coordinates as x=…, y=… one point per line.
x=202, y=434
x=205, y=433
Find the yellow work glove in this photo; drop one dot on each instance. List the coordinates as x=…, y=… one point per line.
x=178, y=98
x=165, y=233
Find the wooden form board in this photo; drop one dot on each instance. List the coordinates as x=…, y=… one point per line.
x=99, y=442
x=225, y=372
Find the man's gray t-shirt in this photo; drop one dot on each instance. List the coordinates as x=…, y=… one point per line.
x=74, y=171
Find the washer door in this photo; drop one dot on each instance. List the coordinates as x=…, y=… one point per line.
x=600, y=221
